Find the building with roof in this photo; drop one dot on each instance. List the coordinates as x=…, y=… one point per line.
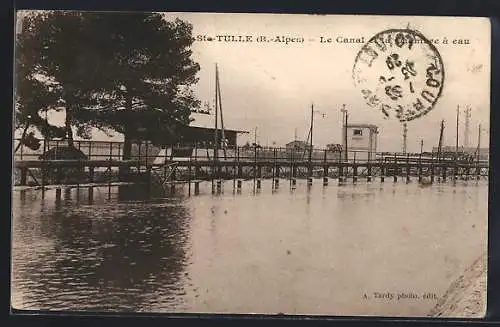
x=361, y=141
x=297, y=145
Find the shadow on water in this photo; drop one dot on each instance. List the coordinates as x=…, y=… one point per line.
x=112, y=256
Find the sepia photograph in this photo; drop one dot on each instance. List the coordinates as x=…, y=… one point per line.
x=237, y=163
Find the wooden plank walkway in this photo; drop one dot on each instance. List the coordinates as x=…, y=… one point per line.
x=400, y=162
x=166, y=172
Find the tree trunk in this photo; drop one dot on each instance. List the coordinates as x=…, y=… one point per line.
x=127, y=144
x=69, y=131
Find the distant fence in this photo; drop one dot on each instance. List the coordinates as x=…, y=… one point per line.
x=150, y=154
x=94, y=150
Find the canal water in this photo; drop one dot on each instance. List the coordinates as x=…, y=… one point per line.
x=318, y=250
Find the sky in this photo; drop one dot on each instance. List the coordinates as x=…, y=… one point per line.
x=270, y=86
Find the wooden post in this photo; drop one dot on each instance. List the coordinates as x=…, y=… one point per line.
x=432, y=167
x=189, y=176
x=147, y=154
x=139, y=157
x=255, y=165
x=149, y=180
x=109, y=179
x=196, y=187
x=382, y=170
x=407, y=168
x=346, y=170
x=173, y=179
x=24, y=173
x=90, y=195
x=369, y=168
x=44, y=169
x=77, y=193
x=395, y=169
x=58, y=196
x=340, y=169
x=354, y=170
x=274, y=167
x=420, y=167
x=478, y=169
x=233, y=175
x=91, y=188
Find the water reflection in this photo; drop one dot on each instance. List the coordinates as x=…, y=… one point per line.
x=308, y=250
x=105, y=259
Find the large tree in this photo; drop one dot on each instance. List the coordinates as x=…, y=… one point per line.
x=147, y=74
x=119, y=71
x=34, y=95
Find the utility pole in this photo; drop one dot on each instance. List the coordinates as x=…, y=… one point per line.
x=219, y=96
x=467, y=123
x=440, y=144
x=216, y=136
x=421, y=146
x=405, y=131
x=456, y=140
x=478, y=142
x=344, y=136
x=311, y=139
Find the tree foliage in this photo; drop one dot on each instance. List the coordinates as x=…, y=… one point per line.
x=111, y=71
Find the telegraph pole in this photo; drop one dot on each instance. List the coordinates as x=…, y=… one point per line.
x=344, y=136
x=216, y=136
x=456, y=140
x=440, y=144
x=311, y=140
x=467, y=123
x=478, y=142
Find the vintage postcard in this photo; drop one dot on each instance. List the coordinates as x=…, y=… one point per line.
x=270, y=164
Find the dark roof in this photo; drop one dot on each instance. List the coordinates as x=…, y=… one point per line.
x=198, y=128
x=371, y=126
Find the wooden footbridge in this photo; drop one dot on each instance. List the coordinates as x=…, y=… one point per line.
x=254, y=165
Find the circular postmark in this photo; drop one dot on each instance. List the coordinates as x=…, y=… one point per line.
x=399, y=72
